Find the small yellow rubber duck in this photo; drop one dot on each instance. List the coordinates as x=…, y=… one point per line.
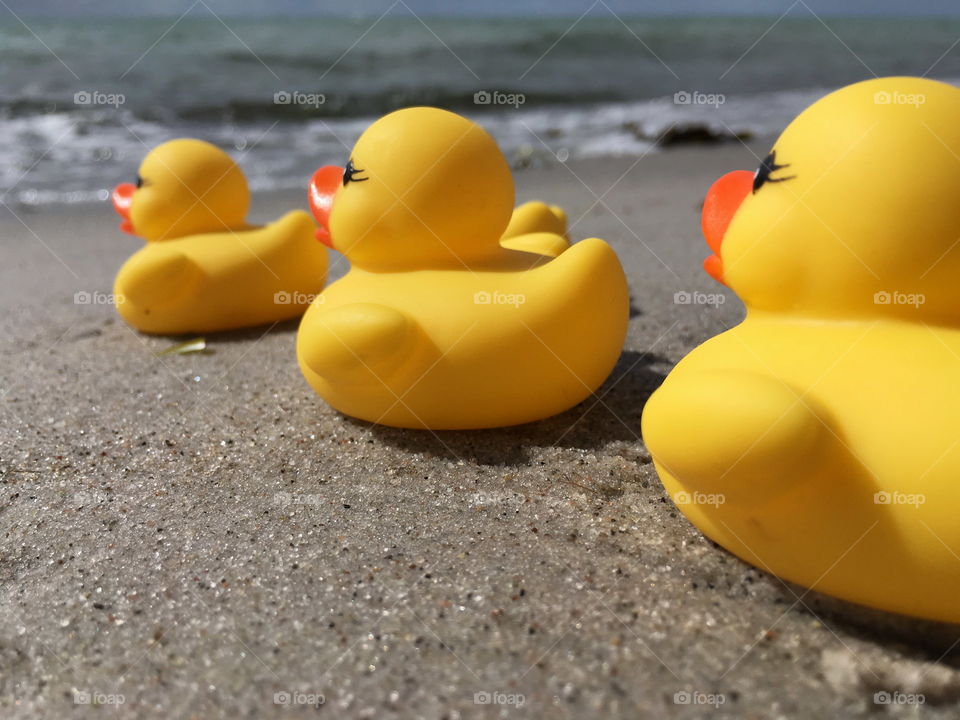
x=204, y=268
x=439, y=324
x=820, y=439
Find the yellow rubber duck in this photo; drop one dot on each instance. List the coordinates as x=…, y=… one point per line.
x=204, y=268
x=438, y=324
x=820, y=439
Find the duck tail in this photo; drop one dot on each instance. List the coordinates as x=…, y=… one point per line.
x=537, y=217
x=538, y=228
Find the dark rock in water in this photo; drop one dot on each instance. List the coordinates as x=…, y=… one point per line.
x=699, y=134
x=688, y=134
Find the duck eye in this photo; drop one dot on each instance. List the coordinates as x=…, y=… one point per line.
x=350, y=173
x=766, y=169
x=139, y=182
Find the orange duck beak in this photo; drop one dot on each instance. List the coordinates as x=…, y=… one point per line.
x=722, y=202
x=323, y=186
x=122, y=199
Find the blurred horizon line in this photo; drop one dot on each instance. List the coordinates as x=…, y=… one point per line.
x=513, y=9
x=11, y=20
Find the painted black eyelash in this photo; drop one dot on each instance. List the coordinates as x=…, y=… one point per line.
x=139, y=182
x=766, y=169
x=350, y=173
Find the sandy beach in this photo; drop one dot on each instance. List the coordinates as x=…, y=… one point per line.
x=200, y=536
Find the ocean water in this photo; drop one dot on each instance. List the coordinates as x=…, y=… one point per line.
x=82, y=102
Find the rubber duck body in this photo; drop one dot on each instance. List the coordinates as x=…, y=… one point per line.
x=203, y=268
x=820, y=439
x=439, y=324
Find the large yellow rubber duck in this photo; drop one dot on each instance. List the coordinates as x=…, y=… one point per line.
x=820, y=438
x=438, y=325
x=204, y=268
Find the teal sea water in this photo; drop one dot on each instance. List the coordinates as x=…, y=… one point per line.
x=80, y=102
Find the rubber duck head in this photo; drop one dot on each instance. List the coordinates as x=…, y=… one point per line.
x=854, y=210
x=423, y=188
x=184, y=187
